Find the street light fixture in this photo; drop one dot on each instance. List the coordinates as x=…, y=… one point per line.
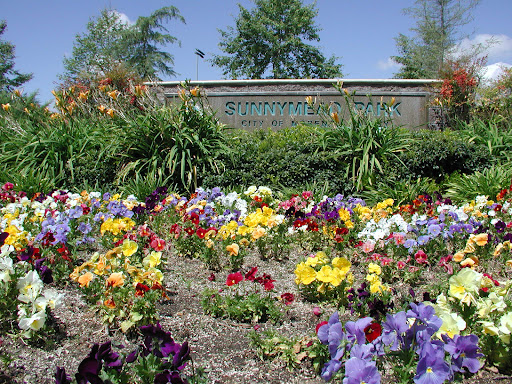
x=200, y=54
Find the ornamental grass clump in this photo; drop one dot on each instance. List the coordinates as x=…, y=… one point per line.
x=246, y=297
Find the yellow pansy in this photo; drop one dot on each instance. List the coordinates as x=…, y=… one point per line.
x=152, y=260
x=304, y=274
x=129, y=247
x=344, y=214
x=342, y=264
x=324, y=274
x=374, y=268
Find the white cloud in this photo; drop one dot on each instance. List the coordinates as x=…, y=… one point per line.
x=386, y=65
x=123, y=18
x=496, y=47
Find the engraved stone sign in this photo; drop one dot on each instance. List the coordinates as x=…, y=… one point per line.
x=255, y=104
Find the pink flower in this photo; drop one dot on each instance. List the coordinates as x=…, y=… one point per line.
x=421, y=257
x=307, y=194
x=399, y=238
x=401, y=264
x=317, y=311
x=385, y=261
x=368, y=246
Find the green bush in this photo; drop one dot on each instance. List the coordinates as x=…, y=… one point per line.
x=73, y=152
x=182, y=142
x=290, y=158
x=488, y=182
x=436, y=154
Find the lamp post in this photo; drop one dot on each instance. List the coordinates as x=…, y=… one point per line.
x=199, y=54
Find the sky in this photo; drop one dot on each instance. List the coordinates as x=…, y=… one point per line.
x=360, y=33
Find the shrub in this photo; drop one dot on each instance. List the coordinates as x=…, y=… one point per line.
x=488, y=182
x=364, y=144
x=183, y=141
x=435, y=154
x=286, y=158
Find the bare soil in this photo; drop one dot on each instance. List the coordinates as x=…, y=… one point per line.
x=220, y=346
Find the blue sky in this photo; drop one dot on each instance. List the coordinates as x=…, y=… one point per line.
x=360, y=33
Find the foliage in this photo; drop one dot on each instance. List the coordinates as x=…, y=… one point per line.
x=435, y=154
x=270, y=40
x=142, y=41
x=9, y=77
x=494, y=100
x=68, y=152
x=242, y=298
x=437, y=30
x=110, y=43
x=281, y=160
x=269, y=345
x=487, y=182
x=182, y=141
x=457, y=93
x=158, y=359
x=97, y=51
x=365, y=144
x=492, y=134
x=401, y=191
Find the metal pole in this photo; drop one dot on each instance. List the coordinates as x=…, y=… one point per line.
x=199, y=54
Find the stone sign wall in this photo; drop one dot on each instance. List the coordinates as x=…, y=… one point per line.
x=252, y=104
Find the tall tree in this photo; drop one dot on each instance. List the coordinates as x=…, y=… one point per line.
x=143, y=40
x=437, y=31
x=97, y=51
x=271, y=41
x=9, y=77
x=110, y=43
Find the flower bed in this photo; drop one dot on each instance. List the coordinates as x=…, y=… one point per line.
x=422, y=288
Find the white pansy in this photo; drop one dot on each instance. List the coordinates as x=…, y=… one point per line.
x=54, y=298
x=6, y=269
x=34, y=322
x=29, y=287
x=6, y=250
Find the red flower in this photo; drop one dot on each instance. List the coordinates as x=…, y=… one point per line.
x=212, y=277
x=201, y=232
x=190, y=231
x=157, y=244
x=141, y=289
x=251, y=275
x=372, y=331
x=421, y=257
x=234, y=278
x=287, y=298
x=266, y=281
x=64, y=252
x=319, y=325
